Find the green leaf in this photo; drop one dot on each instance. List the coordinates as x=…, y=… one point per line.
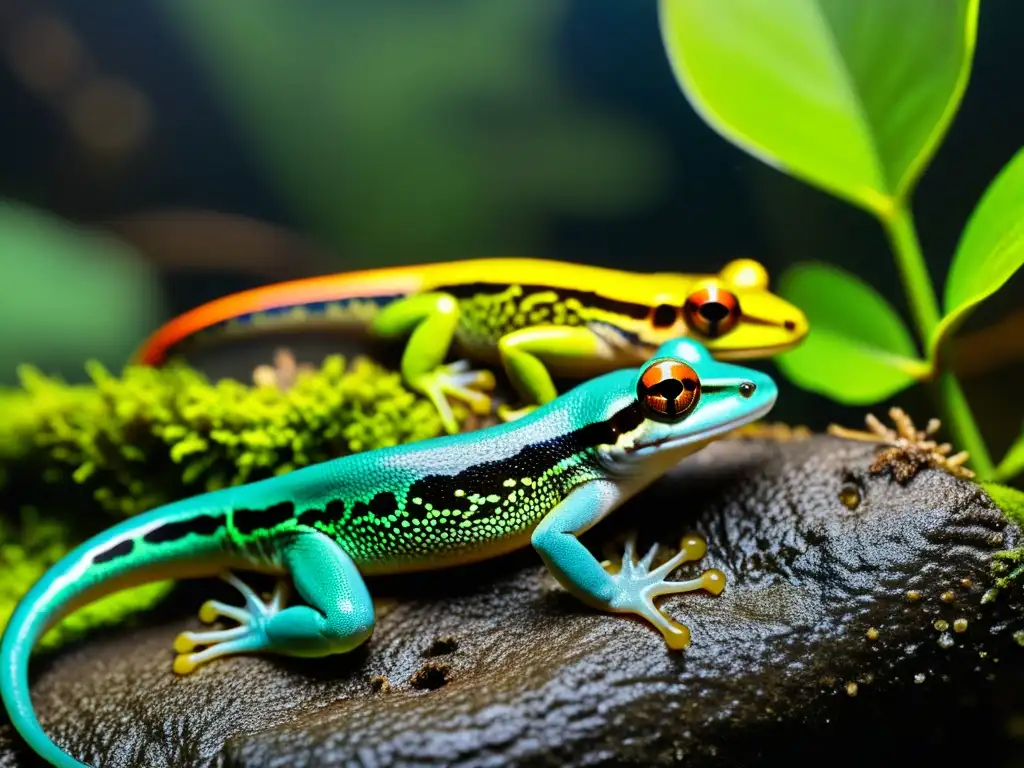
x=71, y=293
x=853, y=97
x=1012, y=463
x=991, y=248
x=858, y=351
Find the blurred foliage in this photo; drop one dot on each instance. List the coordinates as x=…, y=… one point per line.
x=91, y=454
x=856, y=98
x=65, y=290
x=406, y=131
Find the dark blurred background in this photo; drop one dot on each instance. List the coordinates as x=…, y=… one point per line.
x=155, y=155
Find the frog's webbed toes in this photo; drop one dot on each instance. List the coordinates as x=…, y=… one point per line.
x=249, y=636
x=639, y=585
x=457, y=381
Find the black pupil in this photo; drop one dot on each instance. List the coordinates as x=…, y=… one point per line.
x=713, y=311
x=746, y=389
x=670, y=389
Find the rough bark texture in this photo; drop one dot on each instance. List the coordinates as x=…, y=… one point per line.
x=824, y=646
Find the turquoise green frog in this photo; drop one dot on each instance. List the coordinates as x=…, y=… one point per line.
x=542, y=479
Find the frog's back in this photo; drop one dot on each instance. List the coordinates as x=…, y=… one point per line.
x=462, y=278
x=446, y=500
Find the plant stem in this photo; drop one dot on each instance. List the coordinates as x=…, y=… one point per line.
x=964, y=429
x=914, y=272
x=925, y=308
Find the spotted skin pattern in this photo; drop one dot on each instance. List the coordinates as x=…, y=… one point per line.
x=543, y=479
x=536, y=318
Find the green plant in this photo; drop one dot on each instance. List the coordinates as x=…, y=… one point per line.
x=855, y=98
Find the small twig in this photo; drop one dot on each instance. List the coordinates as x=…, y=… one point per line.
x=910, y=448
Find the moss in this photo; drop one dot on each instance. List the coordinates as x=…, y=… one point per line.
x=1009, y=500
x=76, y=458
x=1009, y=565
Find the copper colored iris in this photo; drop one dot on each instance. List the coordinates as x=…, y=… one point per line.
x=711, y=311
x=669, y=389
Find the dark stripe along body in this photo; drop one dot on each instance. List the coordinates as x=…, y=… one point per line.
x=386, y=514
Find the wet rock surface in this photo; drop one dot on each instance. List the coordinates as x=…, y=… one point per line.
x=852, y=627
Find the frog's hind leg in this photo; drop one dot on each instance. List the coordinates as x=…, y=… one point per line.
x=527, y=353
x=338, y=619
x=430, y=321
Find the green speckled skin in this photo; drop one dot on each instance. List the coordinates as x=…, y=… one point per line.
x=487, y=317
x=544, y=478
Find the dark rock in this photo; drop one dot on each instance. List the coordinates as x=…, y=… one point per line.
x=827, y=643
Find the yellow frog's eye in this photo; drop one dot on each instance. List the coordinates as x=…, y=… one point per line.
x=668, y=389
x=711, y=311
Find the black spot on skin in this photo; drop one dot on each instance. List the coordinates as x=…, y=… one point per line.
x=664, y=316
x=384, y=504
x=626, y=420
x=333, y=512
x=203, y=525
x=120, y=549
x=250, y=520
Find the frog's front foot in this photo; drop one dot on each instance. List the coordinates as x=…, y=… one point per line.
x=249, y=636
x=637, y=586
x=460, y=382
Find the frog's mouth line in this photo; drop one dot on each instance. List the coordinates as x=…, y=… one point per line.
x=673, y=442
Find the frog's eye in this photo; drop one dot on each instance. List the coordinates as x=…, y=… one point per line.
x=711, y=311
x=668, y=389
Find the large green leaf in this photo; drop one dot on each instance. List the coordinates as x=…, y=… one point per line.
x=69, y=294
x=858, y=350
x=991, y=248
x=851, y=95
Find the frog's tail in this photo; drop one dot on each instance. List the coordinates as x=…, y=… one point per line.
x=116, y=559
